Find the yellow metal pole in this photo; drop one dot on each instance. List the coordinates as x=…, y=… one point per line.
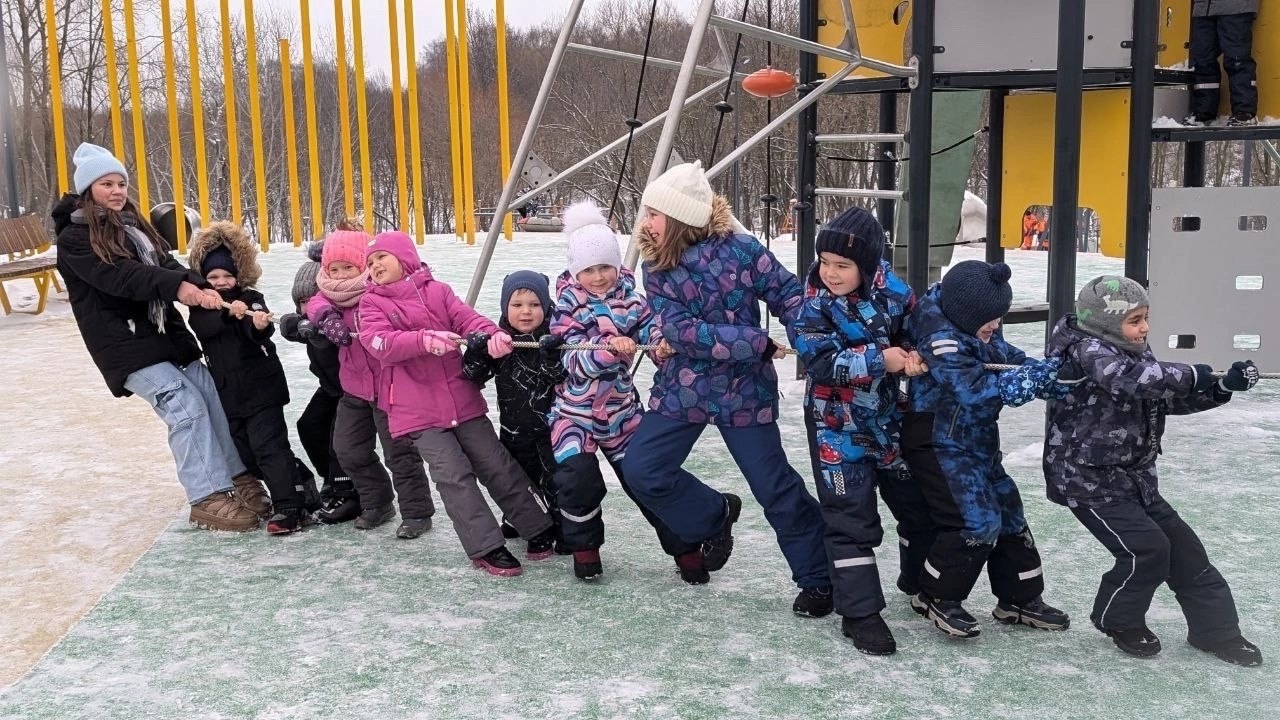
x=233, y=134
x=504, y=127
x=113, y=79
x=464, y=86
x=313, y=149
x=344, y=112
x=455, y=129
x=255, y=125
x=55, y=94
x=290, y=140
x=136, y=110
x=175, y=132
x=197, y=114
x=397, y=115
x=362, y=119
x=415, y=139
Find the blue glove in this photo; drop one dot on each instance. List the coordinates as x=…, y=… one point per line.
x=1242, y=376
x=332, y=327
x=1028, y=381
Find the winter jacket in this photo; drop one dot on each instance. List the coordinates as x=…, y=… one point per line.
x=525, y=382
x=241, y=358
x=1203, y=8
x=322, y=354
x=110, y=302
x=840, y=340
x=416, y=389
x=1103, y=438
x=598, y=390
x=962, y=396
x=707, y=305
x=357, y=369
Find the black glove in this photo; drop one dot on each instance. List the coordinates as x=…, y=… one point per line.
x=289, y=323
x=1204, y=377
x=548, y=343
x=477, y=345
x=1242, y=376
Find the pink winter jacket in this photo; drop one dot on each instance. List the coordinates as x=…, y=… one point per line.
x=357, y=370
x=416, y=389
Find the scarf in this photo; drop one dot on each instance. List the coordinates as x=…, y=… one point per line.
x=343, y=293
x=145, y=251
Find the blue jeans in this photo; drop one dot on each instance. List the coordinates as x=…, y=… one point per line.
x=187, y=401
x=696, y=512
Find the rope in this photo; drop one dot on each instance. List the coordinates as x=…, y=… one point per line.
x=270, y=315
x=1217, y=373
x=633, y=122
x=948, y=148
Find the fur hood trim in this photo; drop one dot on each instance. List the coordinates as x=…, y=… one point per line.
x=243, y=250
x=722, y=223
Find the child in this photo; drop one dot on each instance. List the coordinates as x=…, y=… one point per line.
x=1223, y=27
x=705, y=278
x=359, y=421
x=526, y=381
x=315, y=425
x=951, y=442
x=596, y=405
x=122, y=282
x=248, y=374
x=850, y=337
x=1100, y=461
x=411, y=326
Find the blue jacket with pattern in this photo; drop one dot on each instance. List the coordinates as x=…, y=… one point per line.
x=841, y=340
x=1104, y=436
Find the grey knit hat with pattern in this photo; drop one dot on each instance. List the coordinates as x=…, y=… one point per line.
x=1103, y=304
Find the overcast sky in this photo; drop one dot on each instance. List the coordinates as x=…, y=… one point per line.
x=428, y=20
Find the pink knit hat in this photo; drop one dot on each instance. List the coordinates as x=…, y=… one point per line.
x=398, y=244
x=347, y=246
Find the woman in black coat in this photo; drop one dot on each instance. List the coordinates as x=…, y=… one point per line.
x=122, y=283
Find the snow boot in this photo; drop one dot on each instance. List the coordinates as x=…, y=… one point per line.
x=717, y=548
x=1138, y=642
x=288, y=520
x=542, y=545
x=1236, y=651
x=1034, y=613
x=948, y=615
x=252, y=494
x=371, y=518
x=343, y=504
x=586, y=565
x=223, y=511
x=813, y=603
x=869, y=634
x=499, y=562
x=411, y=528
x=691, y=569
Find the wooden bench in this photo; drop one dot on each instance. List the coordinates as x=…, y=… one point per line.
x=23, y=242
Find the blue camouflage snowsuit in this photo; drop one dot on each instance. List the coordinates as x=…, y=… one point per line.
x=852, y=415
x=951, y=442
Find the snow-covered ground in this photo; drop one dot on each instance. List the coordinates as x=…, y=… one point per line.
x=337, y=622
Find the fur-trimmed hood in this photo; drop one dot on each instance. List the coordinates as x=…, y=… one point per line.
x=243, y=250
x=722, y=223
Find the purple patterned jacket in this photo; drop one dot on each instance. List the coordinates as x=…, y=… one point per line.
x=708, y=305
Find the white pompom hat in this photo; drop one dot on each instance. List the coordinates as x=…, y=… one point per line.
x=591, y=241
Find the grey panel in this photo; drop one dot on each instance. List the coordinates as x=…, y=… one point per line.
x=1219, y=284
x=1023, y=34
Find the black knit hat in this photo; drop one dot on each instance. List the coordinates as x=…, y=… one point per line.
x=219, y=258
x=975, y=293
x=534, y=282
x=857, y=235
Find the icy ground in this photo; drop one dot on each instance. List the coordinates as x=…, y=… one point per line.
x=340, y=623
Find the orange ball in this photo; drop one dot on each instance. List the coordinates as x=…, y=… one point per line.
x=769, y=83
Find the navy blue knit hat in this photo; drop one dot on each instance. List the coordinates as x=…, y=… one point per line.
x=857, y=235
x=219, y=258
x=975, y=293
x=535, y=282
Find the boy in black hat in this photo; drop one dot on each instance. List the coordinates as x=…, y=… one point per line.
x=850, y=336
x=250, y=379
x=951, y=441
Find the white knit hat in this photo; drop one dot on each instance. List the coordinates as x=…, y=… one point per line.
x=93, y=162
x=591, y=241
x=682, y=193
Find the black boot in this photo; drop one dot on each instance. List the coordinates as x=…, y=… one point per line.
x=813, y=602
x=288, y=520
x=1138, y=642
x=691, y=570
x=1035, y=613
x=1236, y=651
x=869, y=634
x=717, y=548
x=343, y=504
x=948, y=615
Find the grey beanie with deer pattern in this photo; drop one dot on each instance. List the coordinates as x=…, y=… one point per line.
x=1102, y=305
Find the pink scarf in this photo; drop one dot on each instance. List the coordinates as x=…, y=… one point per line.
x=343, y=293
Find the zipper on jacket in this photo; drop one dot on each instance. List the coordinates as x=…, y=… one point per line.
x=954, y=417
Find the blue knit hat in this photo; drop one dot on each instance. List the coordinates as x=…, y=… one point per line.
x=975, y=293
x=535, y=282
x=219, y=258
x=854, y=234
x=93, y=162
